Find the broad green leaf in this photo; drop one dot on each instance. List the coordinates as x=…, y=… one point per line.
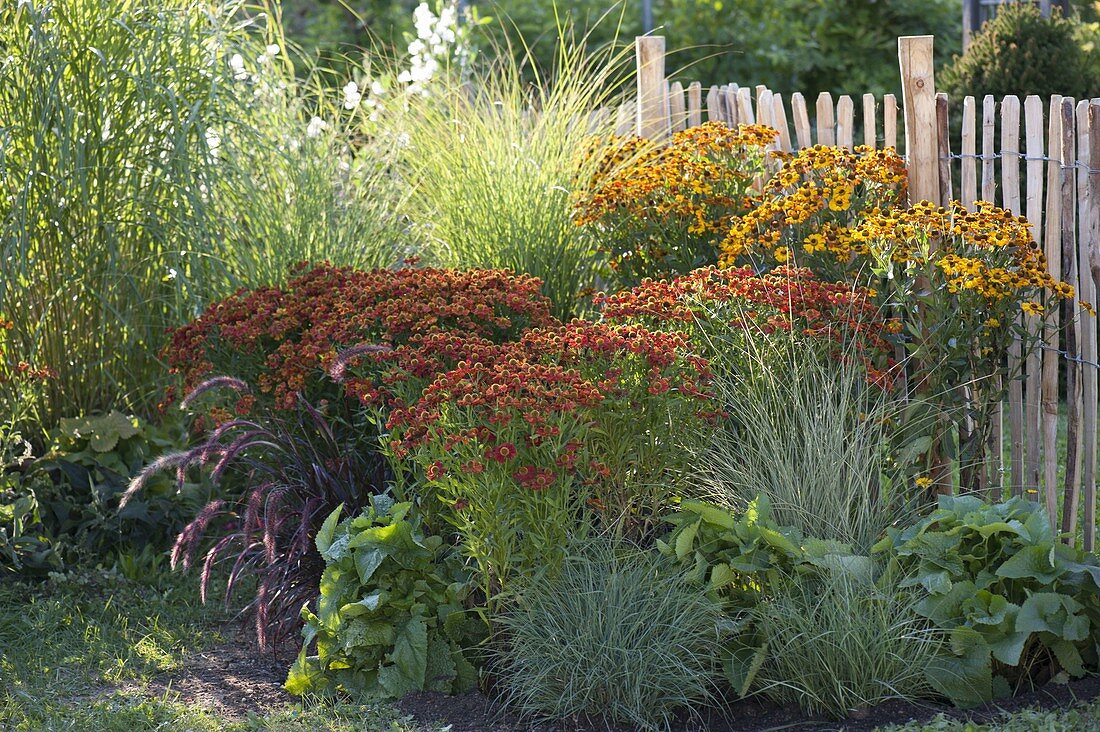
x=710, y=513
x=1031, y=562
x=367, y=561
x=410, y=649
x=328, y=530
x=686, y=539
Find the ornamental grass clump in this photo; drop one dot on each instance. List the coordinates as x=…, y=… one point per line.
x=838, y=644
x=811, y=435
x=618, y=635
x=170, y=145
x=491, y=162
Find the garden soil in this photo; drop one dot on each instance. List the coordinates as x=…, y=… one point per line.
x=231, y=680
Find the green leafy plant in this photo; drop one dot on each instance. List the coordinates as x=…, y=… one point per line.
x=742, y=557
x=392, y=616
x=25, y=546
x=618, y=634
x=1021, y=52
x=90, y=463
x=1020, y=606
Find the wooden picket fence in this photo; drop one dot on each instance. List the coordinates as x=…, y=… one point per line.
x=1058, y=191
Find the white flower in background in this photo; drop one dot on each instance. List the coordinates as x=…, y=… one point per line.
x=236, y=65
x=273, y=49
x=315, y=127
x=377, y=89
x=352, y=95
x=423, y=19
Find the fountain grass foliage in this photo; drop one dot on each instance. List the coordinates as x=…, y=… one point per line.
x=492, y=164
x=618, y=634
x=811, y=435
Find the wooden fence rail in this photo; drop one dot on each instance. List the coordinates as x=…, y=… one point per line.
x=1057, y=148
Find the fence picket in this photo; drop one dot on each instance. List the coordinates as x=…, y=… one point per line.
x=745, y=115
x=826, y=123
x=995, y=481
x=845, y=122
x=1010, y=199
x=1090, y=227
x=677, y=108
x=968, y=177
x=779, y=114
x=1033, y=133
x=870, y=128
x=943, y=137
x=1052, y=246
x=695, y=104
x=714, y=109
x=890, y=121
x=1071, y=488
x=801, y=120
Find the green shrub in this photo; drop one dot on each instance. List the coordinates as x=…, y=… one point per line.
x=1019, y=605
x=619, y=634
x=837, y=644
x=1020, y=52
x=392, y=615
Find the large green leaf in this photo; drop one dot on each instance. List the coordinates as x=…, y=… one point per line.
x=1033, y=562
x=410, y=649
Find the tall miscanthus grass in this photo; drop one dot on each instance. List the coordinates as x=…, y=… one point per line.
x=808, y=431
x=153, y=157
x=493, y=161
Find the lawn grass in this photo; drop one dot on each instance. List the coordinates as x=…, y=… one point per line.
x=81, y=653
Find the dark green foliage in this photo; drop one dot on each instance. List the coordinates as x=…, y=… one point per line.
x=25, y=547
x=90, y=463
x=392, y=615
x=1019, y=604
x=618, y=634
x=1020, y=52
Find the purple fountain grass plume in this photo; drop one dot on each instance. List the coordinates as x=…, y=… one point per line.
x=339, y=368
x=216, y=382
x=248, y=439
x=189, y=537
x=208, y=565
x=177, y=460
x=271, y=522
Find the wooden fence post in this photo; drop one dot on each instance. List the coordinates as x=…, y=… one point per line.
x=918, y=86
x=652, y=114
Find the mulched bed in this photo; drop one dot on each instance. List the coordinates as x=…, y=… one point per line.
x=475, y=712
x=232, y=680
